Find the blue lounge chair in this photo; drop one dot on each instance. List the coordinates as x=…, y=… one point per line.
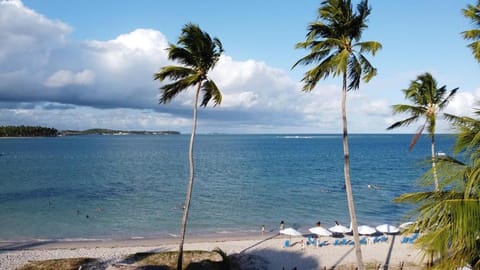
x=405, y=240
x=384, y=238
x=311, y=241
x=413, y=238
x=363, y=241
x=287, y=243
x=337, y=242
x=344, y=241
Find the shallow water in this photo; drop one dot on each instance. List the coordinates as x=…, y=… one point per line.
x=110, y=187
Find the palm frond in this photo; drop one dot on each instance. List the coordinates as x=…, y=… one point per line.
x=402, y=123
x=369, y=47
x=475, y=47
x=210, y=90
x=181, y=55
x=416, y=137
x=473, y=34
x=314, y=56
x=354, y=73
x=173, y=73
x=171, y=90
x=322, y=70
x=405, y=108
x=367, y=68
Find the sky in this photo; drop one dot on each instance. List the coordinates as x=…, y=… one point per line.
x=90, y=64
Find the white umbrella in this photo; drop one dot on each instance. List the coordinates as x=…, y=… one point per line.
x=320, y=231
x=366, y=230
x=387, y=228
x=291, y=232
x=405, y=225
x=339, y=229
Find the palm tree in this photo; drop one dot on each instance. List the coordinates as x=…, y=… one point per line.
x=334, y=43
x=427, y=100
x=473, y=13
x=198, y=53
x=450, y=219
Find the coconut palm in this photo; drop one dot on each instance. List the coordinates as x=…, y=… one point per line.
x=198, y=53
x=427, y=101
x=473, y=13
x=450, y=219
x=335, y=47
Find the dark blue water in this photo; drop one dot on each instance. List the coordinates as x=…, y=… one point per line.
x=134, y=186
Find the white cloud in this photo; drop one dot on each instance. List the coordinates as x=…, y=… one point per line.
x=376, y=107
x=80, y=117
x=239, y=100
x=142, y=48
x=63, y=78
x=27, y=37
x=463, y=103
x=109, y=83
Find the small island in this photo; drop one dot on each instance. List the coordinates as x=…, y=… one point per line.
x=27, y=131
x=37, y=131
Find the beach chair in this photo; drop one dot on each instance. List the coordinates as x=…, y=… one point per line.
x=344, y=241
x=322, y=244
x=384, y=238
x=311, y=241
x=286, y=244
x=405, y=240
x=336, y=242
x=413, y=238
x=375, y=239
x=363, y=241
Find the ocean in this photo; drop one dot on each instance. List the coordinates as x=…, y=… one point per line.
x=123, y=187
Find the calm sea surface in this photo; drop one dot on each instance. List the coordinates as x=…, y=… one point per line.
x=115, y=187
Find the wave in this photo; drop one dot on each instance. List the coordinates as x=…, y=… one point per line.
x=308, y=137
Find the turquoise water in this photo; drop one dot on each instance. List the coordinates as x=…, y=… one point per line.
x=111, y=187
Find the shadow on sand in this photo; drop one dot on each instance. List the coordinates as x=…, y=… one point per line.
x=6, y=246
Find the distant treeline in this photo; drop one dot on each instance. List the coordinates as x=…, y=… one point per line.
x=27, y=131
x=103, y=131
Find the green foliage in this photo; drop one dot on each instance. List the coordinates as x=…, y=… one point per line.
x=27, y=131
x=427, y=100
x=450, y=220
x=473, y=13
x=63, y=264
x=198, y=53
x=333, y=41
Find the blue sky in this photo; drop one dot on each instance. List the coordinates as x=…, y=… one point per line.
x=86, y=64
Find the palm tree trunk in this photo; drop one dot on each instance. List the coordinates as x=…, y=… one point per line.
x=434, y=169
x=188, y=197
x=346, y=169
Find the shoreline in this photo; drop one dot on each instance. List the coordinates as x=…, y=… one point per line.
x=267, y=249
x=12, y=245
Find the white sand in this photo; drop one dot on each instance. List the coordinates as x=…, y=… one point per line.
x=391, y=253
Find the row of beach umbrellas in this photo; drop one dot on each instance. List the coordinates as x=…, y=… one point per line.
x=365, y=230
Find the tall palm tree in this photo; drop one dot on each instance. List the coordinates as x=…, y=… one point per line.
x=473, y=13
x=427, y=100
x=198, y=53
x=334, y=44
x=450, y=219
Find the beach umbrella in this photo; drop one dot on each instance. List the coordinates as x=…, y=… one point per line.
x=387, y=228
x=339, y=229
x=405, y=225
x=364, y=229
x=320, y=231
x=291, y=232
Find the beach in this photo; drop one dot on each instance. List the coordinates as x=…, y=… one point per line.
x=265, y=252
